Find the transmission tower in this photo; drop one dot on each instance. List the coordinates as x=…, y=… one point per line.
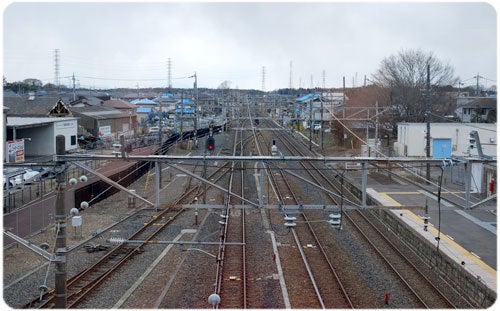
x=324, y=75
x=263, y=78
x=169, y=66
x=291, y=76
x=56, y=67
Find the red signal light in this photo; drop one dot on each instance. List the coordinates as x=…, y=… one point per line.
x=210, y=143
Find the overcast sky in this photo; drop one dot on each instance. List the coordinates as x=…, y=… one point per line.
x=125, y=44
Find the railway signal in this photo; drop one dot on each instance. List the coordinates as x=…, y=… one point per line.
x=472, y=140
x=210, y=143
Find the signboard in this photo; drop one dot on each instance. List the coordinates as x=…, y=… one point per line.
x=66, y=124
x=15, y=151
x=104, y=130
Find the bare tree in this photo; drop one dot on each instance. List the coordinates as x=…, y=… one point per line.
x=225, y=85
x=405, y=75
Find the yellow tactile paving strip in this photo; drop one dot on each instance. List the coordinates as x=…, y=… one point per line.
x=472, y=263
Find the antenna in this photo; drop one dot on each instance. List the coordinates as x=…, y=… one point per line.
x=291, y=76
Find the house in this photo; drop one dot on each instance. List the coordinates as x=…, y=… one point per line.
x=476, y=109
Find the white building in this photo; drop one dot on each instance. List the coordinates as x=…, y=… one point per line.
x=39, y=133
x=447, y=139
x=452, y=139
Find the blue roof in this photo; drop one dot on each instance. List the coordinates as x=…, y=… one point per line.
x=142, y=101
x=144, y=109
x=307, y=97
x=167, y=95
x=186, y=110
x=184, y=101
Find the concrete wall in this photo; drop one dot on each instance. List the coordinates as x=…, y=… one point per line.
x=466, y=284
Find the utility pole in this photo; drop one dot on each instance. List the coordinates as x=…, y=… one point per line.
x=263, y=79
x=160, y=138
x=56, y=68
x=195, y=86
x=74, y=92
x=169, y=67
x=60, y=222
x=477, y=83
x=343, y=112
x=427, y=119
x=321, y=123
x=310, y=122
x=376, y=127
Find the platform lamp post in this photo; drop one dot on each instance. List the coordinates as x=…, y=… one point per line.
x=60, y=221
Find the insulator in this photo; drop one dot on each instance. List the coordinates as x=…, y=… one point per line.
x=116, y=240
x=43, y=288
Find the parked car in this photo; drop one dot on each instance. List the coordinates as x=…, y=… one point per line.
x=27, y=177
x=20, y=177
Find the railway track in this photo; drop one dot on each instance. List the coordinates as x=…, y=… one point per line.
x=426, y=294
x=231, y=282
x=323, y=281
x=422, y=288
x=84, y=283
x=421, y=283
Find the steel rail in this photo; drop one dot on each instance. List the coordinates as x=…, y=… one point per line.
x=296, y=238
x=152, y=224
x=289, y=146
x=84, y=290
x=401, y=255
x=222, y=266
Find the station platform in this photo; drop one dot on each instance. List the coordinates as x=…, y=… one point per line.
x=465, y=236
